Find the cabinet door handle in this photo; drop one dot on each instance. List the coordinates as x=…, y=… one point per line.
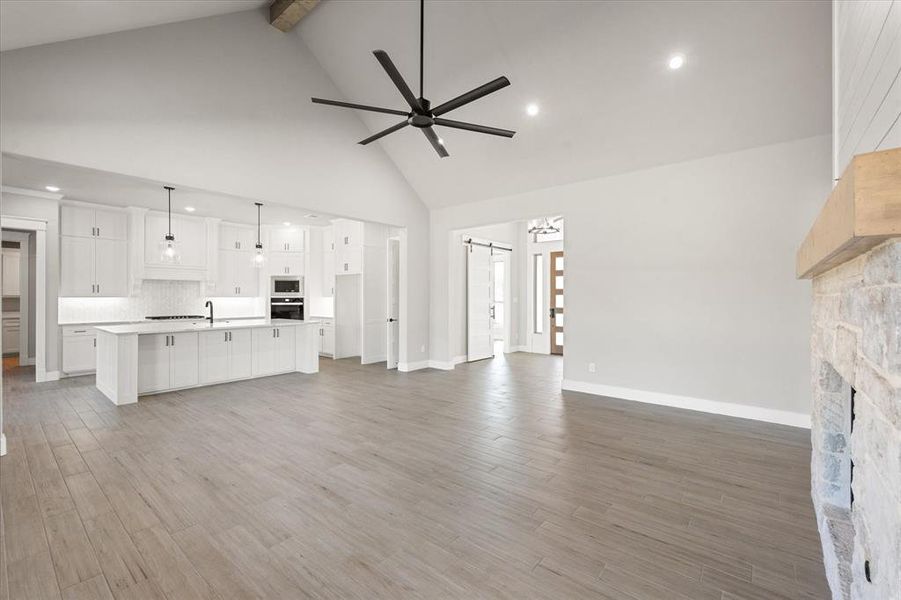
x=229, y=336
x=346, y=242
x=173, y=340
x=98, y=232
x=95, y=342
x=98, y=288
x=225, y=334
x=167, y=341
x=278, y=333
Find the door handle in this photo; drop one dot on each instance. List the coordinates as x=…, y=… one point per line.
x=390, y=320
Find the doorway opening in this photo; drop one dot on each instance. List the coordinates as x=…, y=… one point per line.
x=393, y=302
x=546, y=285
x=23, y=302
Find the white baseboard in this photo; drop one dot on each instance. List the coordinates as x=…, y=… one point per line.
x=744, y=411
x=414, y=366
x=27, y=362
x=2, y=445
x=519, y=348
x=459, y=359
x=444, y=365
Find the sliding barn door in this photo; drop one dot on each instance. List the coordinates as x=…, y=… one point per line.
x=478, y=303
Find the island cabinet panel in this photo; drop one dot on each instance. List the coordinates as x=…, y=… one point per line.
x=183, y=359
x=153, y=362
x=273, y=350
x=167, y=361
x=224, y=355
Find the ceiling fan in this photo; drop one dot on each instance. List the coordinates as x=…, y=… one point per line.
x=421, y=113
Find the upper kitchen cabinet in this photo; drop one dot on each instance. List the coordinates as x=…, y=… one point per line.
x=191, y=239
x=348, y=234
x=85, y=221
x=237, y=275
x=285, y=263
x=93, y=252
x=237, y=237
x=289, y=239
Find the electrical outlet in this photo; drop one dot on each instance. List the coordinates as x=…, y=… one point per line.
x=592, y=367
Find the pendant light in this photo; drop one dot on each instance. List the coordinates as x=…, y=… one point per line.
x=168, y=248
x=259, y=259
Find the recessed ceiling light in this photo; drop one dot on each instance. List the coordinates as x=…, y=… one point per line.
x=532, y=109
x=676, y=61
x=51, y=188
x=312, y=216
x=286, y=223
x=190, y=208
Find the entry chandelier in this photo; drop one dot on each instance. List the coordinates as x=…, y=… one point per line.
x=543, y=227
x=259, y=258
x=168, y=247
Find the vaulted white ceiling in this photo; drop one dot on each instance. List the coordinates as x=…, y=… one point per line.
x=26, y=23
x=755, y=73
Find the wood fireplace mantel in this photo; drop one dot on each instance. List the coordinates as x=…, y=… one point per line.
x=863, y=210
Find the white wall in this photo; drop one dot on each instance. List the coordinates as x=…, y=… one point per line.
x=220, y=104
x=866, y=78
x=680, y=279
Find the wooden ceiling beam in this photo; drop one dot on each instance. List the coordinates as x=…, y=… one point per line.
x=285, y=14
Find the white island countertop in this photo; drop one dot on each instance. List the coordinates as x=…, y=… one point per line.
x=181, y=326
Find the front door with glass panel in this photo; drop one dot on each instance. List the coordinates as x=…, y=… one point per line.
x=556, y=302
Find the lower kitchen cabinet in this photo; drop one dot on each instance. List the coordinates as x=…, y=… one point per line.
x=273, y=350
x=167, y=361
x=79, y=349
x=327, y=338
x=225, y=355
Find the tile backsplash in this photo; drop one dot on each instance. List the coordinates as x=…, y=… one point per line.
x=157, y=298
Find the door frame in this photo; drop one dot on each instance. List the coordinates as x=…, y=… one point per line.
x=552, y=301
x=39, y=228
x=392, y=248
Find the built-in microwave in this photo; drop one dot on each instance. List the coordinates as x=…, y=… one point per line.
x=286, y=287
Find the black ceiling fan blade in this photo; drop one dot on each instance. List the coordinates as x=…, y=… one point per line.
x=474, y=127
x=482, y=90
x=436, y=144
x=388, y=111
x=395, y=76
x=385, y=132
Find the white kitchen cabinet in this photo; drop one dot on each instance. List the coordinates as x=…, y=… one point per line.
x=11, y=334
x=286, y=240
x=224, y=355
x=328, y=239
x=349, y=261
x=237, y=237
x=84, y=221
x=111, y=267
x=11, y=263
x=285, y=263
x=237, y=275
x=190, y=236
x=327, y=338
x=348, y=233
x=167, y=361
x=273, y=350
x=93, y=267
x=79, y=349
x=328, y=274
x=76, y=266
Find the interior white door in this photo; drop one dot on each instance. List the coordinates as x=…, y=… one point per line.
x=478, y=303
x=393, y=303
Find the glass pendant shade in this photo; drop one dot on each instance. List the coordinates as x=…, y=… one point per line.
x=259, y=257
x=168, y=248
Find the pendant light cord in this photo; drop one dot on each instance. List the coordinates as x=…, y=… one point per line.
x=259, y=218
x=169, y=189
x=421, y=44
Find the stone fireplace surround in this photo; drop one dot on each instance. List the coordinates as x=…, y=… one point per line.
x=856, y=360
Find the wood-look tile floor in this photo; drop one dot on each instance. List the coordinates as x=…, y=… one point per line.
x=483, y=482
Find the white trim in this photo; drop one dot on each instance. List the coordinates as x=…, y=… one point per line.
x=519, y=349
x=415, y=366
x=26, y=362
x=2, y=444
x=743, y=411
x=40, y=289
x=8, y=189
x=52, y=376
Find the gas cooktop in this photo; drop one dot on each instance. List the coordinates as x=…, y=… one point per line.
x=176, y=317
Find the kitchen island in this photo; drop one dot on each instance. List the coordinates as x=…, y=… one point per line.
x=146, y=358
